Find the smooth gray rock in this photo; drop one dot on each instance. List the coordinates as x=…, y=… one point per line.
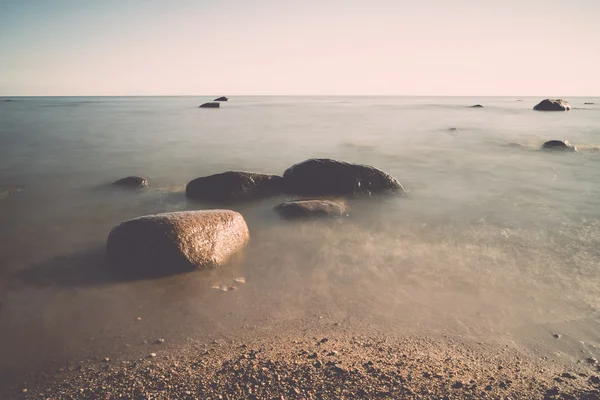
x=311, y=208
x=210, y=105
x=132, y=182
x=234, y=185
x=558, y=145
x=176, y=242
x=552, y=105
x=322, y=177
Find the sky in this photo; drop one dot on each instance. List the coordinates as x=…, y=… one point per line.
x=300, y=47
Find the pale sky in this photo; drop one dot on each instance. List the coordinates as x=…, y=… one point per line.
x=300, y=47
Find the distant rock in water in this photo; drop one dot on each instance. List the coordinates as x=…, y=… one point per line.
x=588, y=104
x=311, y=208
x=519, y=100
x=516, y=145
x=322, y=177
x=552, y=105
x=233, y=185
x=558, y=145
x=221, y=99
x=453, y=130
x=477, y=106
x=176, y=242
x=132, y=182
x=210, y=105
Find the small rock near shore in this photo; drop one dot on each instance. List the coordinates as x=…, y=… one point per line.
x=233, y=185
x=210, y=105
x=176, y=242
x=311, y=208
x=558, y=145
x=132, y=182
x=552, y=105
x=324, y=176
x=477, y=106
x=222, y=98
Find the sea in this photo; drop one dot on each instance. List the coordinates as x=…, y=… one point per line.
x=494, y=240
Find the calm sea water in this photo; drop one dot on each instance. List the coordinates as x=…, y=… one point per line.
x=495, y=238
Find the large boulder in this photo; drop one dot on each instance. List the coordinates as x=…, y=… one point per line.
x=311, y=208
x=558, y=145
x=176, y=242
x=322, y=177
x=132, y=182
x=233, y=185
x=210, y=105
x=552, y=105
x=221, y=99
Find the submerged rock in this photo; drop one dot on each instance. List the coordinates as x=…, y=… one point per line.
x=321, y=177
x=132, y=182
x=558, y=145
x=210, y=105
x=233, y=185
x=477, y=106
x=588, y=104
x=176, y=242
x=552, y=105
x=311, y=208
x=223, y=98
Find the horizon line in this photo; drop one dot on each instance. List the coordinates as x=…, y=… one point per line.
x=290, y=95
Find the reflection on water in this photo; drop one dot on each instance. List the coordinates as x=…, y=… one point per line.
x=492, y=239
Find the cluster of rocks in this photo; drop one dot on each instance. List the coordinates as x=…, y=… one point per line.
x=182, y=241
x=215, y=103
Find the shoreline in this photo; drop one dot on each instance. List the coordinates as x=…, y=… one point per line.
x=323, y=364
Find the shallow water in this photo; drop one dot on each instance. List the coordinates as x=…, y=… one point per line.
x=492, y=240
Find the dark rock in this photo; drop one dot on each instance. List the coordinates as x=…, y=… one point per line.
x=556, y=335
x=320, y=177
x=552, y=105
x=233, y=185
x=558, y=145
x=453, y=130
x=210, y=105
x=176, y=242
x=221, y=99
x=568, y=375
x=132, y=182
x=477, y=106
x=457, y=385
x=587, y=104
x=311, y=208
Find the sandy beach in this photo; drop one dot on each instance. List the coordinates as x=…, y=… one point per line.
x=325, y=361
